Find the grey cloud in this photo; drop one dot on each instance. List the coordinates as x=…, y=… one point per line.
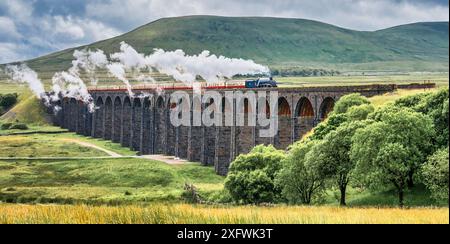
x=43, y=26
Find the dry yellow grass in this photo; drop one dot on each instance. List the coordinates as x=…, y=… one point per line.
x=189, y=214
x=382, y=100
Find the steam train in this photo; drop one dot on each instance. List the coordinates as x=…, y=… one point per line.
x=261, y=83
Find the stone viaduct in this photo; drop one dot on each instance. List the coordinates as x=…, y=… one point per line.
x=143, y=122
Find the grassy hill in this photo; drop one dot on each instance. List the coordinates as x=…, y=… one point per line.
x=284, y=43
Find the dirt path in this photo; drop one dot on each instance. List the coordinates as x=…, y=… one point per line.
x=165, y=159
x=161, y=158
x=87, y=144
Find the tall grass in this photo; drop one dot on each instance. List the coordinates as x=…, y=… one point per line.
x=190, y=214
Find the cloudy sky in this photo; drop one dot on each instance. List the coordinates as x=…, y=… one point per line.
x=30, y=28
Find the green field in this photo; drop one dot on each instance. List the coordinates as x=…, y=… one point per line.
x=129, y=180
x=71, y=188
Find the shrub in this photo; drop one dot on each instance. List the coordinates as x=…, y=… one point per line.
x=435, y=174
x=251, y=176
x=6, y=126
x=360, y=112
x=19, y=126
x=8, y=100
x=348, y=101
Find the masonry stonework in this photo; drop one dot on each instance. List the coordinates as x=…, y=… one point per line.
x=143, y=123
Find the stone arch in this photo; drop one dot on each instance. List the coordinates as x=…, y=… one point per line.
x=326, y=107
x=196, y=133
x=159, y=125
x=117, y=120
x=258, y=139
x=146, y=127
x=245, y=134
x=304, y=108
x=182, y=132
x=284, y=109
x=223, y=139
x=89, y=121
x=171, y=131
x=136, y=125
x=81, y=120
x=99, y=118
x=304, y=118
x=73, y=110
x=284, y=136
x=209, y=150
x=66, y=113
x=108, y=118
x=126, y=122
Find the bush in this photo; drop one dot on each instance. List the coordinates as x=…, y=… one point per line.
x=8, y=100
x=348, y=101
x=324, y=128
x=435, y=174
x=360, y=112
x=19, y=126
x=251, y=176
x=6, y=126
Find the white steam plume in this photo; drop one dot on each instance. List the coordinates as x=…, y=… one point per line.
x=70, y=84
x=186, y=68
x=89, y=61
x=23, y=74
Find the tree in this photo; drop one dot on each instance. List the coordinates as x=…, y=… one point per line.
x=348, y=108
x=333, y=122
x=435, y=174
x=299, y=179
x=348, y=101
x=360, y=113
x=333, y=156
x=393, y=148
x=251, y=176
x=435, y=105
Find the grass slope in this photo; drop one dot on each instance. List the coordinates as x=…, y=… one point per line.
x=28, y=110
x=100, y=181
x=284, y=42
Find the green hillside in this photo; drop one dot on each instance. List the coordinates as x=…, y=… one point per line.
x=285, y=43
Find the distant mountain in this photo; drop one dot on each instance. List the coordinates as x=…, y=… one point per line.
x=282, y=42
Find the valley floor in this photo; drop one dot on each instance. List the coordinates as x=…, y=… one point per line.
x=146, y=190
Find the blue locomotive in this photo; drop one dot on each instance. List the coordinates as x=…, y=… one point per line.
x=261, y=83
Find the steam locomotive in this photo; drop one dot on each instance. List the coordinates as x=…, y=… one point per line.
x=261, y=83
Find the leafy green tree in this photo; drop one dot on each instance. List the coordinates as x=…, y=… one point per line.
x=359, y=113
x=299, y=179
x=434, y=105
x=348, y=101
x=435, y=174
x=348, y=108
x=324, y=128
x=393, y=148
x=333, y=156
x=251, y=176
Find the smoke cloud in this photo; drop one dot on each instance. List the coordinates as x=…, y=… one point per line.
x=177, y=64
x=24, y=75
x=185, y=68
